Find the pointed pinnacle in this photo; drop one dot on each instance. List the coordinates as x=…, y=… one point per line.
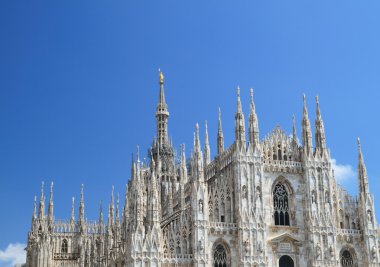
x=82, y=194
x=42, y=190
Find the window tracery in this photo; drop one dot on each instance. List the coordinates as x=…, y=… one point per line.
x=347, y=260
x=64, y=246
x=220, y=256
x=281, y=205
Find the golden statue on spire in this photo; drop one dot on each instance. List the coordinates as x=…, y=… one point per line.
x=161, y=76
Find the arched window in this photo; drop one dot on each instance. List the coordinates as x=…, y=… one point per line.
x=346, y=259
x=220, y=256
x=64, y=246
x=281, y=205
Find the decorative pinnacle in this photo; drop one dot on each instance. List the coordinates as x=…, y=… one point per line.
x=72, y=209
x=238, y=91
x=304, y=106
x=35, y=207
x=112, y=199
x=82, y=194
x=42, y=190
x=251, y=94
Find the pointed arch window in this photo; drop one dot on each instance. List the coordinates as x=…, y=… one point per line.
x=220, y=256
x=64, y=246
x=281, y=205
x=346, y=259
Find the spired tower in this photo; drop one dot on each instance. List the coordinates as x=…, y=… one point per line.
x=258, y=203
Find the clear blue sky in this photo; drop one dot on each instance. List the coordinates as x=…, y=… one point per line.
x=79, y=85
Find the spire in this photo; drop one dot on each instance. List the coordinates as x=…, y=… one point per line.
x=125, y=210
x=35, y=208
x=207, y=146
x=197, y=143
x=101, y=213
x=183, y=167
x=320, y=137
x=138, y=153
x=253, y=124
x=72, y=219
x=100, y=222
x=117, y=210
x=197, y=158
x=362, y=172
x=41, y=207
x=220, y=138
x=132, y=167
x=239, y=122
x=295, y=141
x=51, y=205
x=81, y=206
x=111, y=209
x=162, y=114
x=306, y=130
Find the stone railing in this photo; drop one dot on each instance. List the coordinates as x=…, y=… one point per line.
x=283, y=165
x=66, y=256
x=178, y=256
x=348, y=232
x=223, y=226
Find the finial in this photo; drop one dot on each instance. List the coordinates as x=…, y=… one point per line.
x=138, y=153
x=317, y=99
x=197, y=129
x=219, y=113
x=238, y=91
x=51, y=187
x=161, y=76
x=359, y=144
x=206, y=126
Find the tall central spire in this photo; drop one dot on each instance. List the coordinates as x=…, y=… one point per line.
x=162, y=114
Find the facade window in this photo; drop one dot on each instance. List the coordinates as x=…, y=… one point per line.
x=347, y=260
x=220, y=256
x=281, y=205
x=64, y=246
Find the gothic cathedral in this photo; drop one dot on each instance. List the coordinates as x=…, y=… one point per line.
x=270, y=202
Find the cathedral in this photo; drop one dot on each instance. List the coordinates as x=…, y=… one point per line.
x=259, y=202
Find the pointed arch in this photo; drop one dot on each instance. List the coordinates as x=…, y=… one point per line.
x=221, y=254
x=64, y=246
x=347, y=257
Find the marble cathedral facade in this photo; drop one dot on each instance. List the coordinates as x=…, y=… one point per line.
x=271, y=202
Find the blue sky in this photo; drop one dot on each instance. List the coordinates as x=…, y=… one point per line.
x=79, y=85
